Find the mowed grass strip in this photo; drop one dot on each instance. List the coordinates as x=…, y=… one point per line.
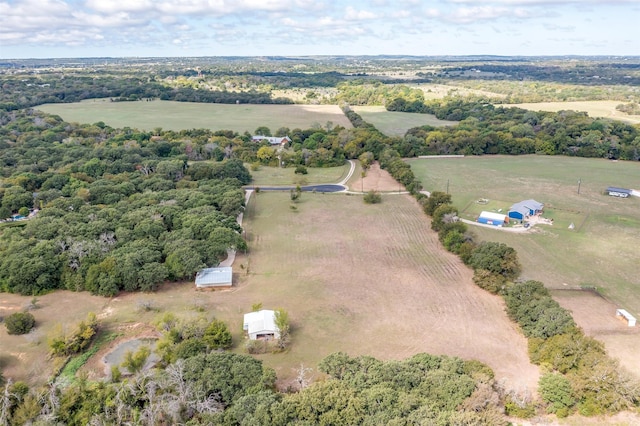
x=393, y=123
x=171, y=115
x=601, y=252
x=269, y=176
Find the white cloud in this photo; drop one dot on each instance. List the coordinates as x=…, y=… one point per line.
x=105, y=21
x=352, y=14
x=115, y=6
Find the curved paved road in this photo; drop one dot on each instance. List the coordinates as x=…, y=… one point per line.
x=327, y=187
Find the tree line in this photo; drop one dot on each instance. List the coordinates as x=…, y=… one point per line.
x=487, y=129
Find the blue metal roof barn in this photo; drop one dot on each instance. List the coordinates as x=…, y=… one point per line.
x=524, y=209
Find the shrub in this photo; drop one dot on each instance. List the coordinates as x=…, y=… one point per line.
x=491, y=282
x=300, y=170
x=254, y=347
x=497, y=258
x=217, y=335
x=555, y=390
x=372, y=197
x=19, y=323
x=77, y=341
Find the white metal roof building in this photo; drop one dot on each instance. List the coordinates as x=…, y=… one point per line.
x=214, y=277
x=631, y=320
x=261, y=325
x=491, y=218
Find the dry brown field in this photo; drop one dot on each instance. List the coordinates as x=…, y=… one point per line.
x=596, y=316
x=370, y=280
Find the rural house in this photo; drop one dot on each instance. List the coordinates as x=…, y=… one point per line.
x=261, y=325
x=524, y=209
x=491, y=218
x=214, y=277
x=272, y=139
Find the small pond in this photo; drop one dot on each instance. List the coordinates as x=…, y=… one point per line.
x=116, y=356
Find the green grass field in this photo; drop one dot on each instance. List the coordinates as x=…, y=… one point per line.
x=397, y=123
x=601, y=252
x=170, y=115
x=266, y=176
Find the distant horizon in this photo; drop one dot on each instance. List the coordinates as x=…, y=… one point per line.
x=38, y=29
x=293, y=57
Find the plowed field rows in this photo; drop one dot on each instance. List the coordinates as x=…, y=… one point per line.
x=372, y=279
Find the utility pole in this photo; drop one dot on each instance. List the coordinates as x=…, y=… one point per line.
x=579, y=182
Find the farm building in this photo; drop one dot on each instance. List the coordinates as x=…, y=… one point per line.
x=261, y=325
x=524, y=209
x=214, y=277
x=272, y=139
x=491, y=218
x=623, y=314
x=618, y=192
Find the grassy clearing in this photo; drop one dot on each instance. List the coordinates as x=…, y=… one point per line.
x=265, y=176
x=605, y=109
x=601, y=251
x=438, y=91
x=397, y=123
x=170, y=115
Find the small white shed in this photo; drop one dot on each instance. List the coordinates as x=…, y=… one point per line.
x=623, y=314
x=261, y=325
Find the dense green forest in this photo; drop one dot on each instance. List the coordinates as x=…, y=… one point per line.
x=206, y=388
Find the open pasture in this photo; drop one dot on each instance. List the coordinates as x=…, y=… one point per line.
x=171, y=115
x=266, y=176
x=603, y=109
x=438, y=91
x=601, y=252
x=393, y=123
x=368, y=279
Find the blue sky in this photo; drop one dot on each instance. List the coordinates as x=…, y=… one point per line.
x=88, y=28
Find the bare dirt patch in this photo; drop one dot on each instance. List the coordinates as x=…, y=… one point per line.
x=376, y=179
x=25, y=357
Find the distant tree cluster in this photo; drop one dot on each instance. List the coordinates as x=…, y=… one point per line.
x=55, y=88
x=485, y=129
